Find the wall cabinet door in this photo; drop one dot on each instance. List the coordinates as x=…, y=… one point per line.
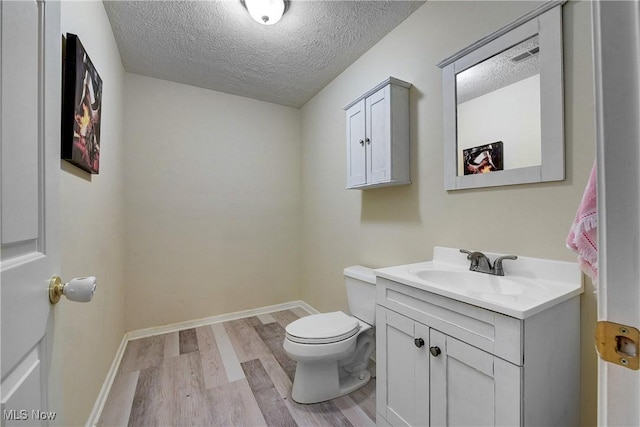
x=471, y=387
x=356, y=152
x=369, y=140
x=378, y=137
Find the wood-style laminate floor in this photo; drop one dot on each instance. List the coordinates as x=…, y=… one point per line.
x=234, y=373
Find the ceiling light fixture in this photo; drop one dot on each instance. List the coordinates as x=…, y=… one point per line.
x=266, y=12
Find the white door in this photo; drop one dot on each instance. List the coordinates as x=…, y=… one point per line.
x=30, y=163
x=617, y=78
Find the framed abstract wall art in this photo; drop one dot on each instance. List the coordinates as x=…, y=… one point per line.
x=81, y=107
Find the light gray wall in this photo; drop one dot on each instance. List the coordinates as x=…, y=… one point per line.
x=87, y=336
x=213, y=200
x=399, y=225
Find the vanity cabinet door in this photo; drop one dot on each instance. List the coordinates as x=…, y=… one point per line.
x=402, y=392
x=471, y=387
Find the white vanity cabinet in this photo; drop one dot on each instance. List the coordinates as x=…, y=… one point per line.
x=443, y=362
x=378, y=136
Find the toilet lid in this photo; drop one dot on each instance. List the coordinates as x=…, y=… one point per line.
x=322, y=328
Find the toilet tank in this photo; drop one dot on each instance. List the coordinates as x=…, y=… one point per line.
x=361, y=292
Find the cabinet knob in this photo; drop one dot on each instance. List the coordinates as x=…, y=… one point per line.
x=419, y=342
x=362, y=142
x=435, y=351
x=368, y=141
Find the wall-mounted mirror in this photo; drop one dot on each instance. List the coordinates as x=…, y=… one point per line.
x=503, y=105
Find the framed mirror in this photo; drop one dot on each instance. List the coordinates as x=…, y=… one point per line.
x=504, y=105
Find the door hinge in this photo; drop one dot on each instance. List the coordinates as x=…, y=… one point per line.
x=618, y=344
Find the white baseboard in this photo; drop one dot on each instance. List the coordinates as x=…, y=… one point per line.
x=159, y=330
x=307, y=307
x=173, y=327
x=108, y=382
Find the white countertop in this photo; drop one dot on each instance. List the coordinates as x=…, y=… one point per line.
x=529, y=286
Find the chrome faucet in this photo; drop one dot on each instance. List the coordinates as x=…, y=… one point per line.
x=481, y=263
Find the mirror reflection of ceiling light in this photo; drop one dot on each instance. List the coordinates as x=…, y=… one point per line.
x=266, y=12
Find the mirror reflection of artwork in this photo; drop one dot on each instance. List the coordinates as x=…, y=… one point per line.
x=81, y=108
x=483, y=159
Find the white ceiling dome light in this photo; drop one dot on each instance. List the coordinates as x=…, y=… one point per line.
x=266, y=12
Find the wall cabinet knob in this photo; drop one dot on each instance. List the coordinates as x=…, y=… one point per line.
x=419, y=342
x=362, y=142
x=368, y=141
x=435, y=351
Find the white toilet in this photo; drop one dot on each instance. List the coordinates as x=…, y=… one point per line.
x=333, y=349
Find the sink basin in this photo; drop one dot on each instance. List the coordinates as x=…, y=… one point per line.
x=480, y=283
x=529, y=286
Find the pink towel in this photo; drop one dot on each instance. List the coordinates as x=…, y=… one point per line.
x=583, y=237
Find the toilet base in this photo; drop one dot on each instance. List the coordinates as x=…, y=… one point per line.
x=316, y=382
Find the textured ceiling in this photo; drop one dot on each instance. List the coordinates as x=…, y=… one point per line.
x=217, y=45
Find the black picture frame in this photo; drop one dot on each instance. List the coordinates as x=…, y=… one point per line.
x=483, y=158
x=81, y=107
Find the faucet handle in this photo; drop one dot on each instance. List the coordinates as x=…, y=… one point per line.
x=474, y=261
x=497, y=265
x=464, y=251
x=475, y=258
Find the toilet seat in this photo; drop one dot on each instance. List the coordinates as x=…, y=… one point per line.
x=322, y=328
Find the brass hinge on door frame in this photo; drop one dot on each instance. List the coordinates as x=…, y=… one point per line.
x=618, y=344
